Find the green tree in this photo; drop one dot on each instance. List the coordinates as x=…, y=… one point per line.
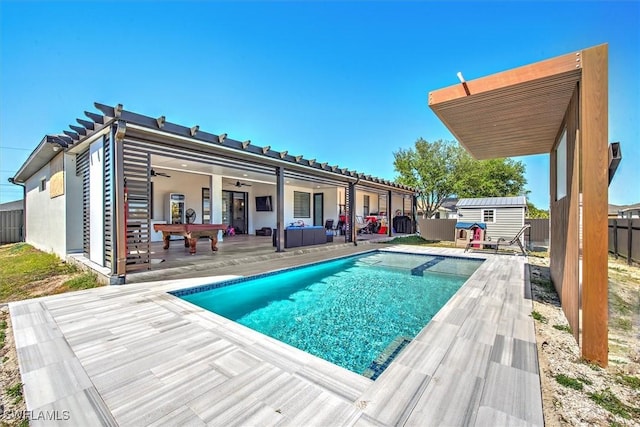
x=430, y=168
x=533, y=212
x=489, y=178
x=443, y=169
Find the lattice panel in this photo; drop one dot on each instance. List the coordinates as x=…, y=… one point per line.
x=82, y=169
x=136, y=169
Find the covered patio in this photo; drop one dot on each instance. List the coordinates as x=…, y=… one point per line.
x=238, y=250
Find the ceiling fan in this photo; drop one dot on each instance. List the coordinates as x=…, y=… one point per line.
x=154, y=173
x=242, y=184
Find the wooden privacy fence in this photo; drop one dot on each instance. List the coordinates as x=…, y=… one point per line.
x=437, y=229
x=445, y=229
x=624, y=238
x=11, y=226
x=538, y=234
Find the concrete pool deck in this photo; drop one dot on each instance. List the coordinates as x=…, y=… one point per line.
x=135, y=355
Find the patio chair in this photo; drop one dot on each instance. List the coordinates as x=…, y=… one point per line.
x=496, y=244
x=362, y=226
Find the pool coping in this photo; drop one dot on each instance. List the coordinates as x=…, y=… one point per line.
x=136, y=355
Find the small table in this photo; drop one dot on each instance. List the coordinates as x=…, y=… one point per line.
x=191, y=234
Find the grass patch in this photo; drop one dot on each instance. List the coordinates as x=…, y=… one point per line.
x=3, y=332
x=565, y=328
x=566, y=381
x=545, y=284
x=622, y=324
x=619, y=305
x=411, y=240
x=539, y=317
x=21, y=265
x=15, y=392
x=630, y=381
x=611, y=403
x=538, y=254
x=84, y=281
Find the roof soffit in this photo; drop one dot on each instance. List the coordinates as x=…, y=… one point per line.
x=512, y=113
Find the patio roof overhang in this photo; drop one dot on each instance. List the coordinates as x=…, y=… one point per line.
x=512, y=113
x=241, y=153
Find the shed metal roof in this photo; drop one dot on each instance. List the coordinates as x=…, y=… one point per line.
x=516, y=201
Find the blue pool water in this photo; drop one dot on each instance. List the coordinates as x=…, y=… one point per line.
x=356, y=312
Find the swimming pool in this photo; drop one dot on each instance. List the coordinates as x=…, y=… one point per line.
x=356, y=312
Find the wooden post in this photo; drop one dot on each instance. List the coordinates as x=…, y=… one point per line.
x=629, y=237
x=351, y=215
x=279, y=235
x=594, y=95
x=615, y=238
x=389, y=218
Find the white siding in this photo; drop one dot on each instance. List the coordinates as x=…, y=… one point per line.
x=44, y=216
x=73, y=195
x=508, y=221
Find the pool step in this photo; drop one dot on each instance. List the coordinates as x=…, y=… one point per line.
x=419, y=270
x=386, y=357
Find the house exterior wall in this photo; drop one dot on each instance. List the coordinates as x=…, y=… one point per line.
x=216, y=197
x=330, y=210
x=46, y=232
x=564, y=213
x=189, y=184
x=508, y=221
x=257, y=219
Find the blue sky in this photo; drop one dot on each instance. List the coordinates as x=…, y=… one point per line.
x=342, y=82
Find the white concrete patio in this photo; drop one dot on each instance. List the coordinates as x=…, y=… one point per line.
x=134, y=355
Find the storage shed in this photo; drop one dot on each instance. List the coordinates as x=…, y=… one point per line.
x=504, y=216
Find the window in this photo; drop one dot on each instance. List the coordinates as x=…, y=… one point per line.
x=206, y=205
x=43, y=184
x=301, y=204
x=365, y=206
x=406, y=205
x=382, y=205
x=561, y=166
x=488, y=215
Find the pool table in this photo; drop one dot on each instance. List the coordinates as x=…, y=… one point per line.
x=191, y=234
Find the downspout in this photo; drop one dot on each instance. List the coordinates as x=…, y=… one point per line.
x=23, y=231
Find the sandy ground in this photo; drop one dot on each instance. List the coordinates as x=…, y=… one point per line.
x=558, y=353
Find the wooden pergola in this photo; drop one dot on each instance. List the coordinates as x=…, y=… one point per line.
x=557, y=106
